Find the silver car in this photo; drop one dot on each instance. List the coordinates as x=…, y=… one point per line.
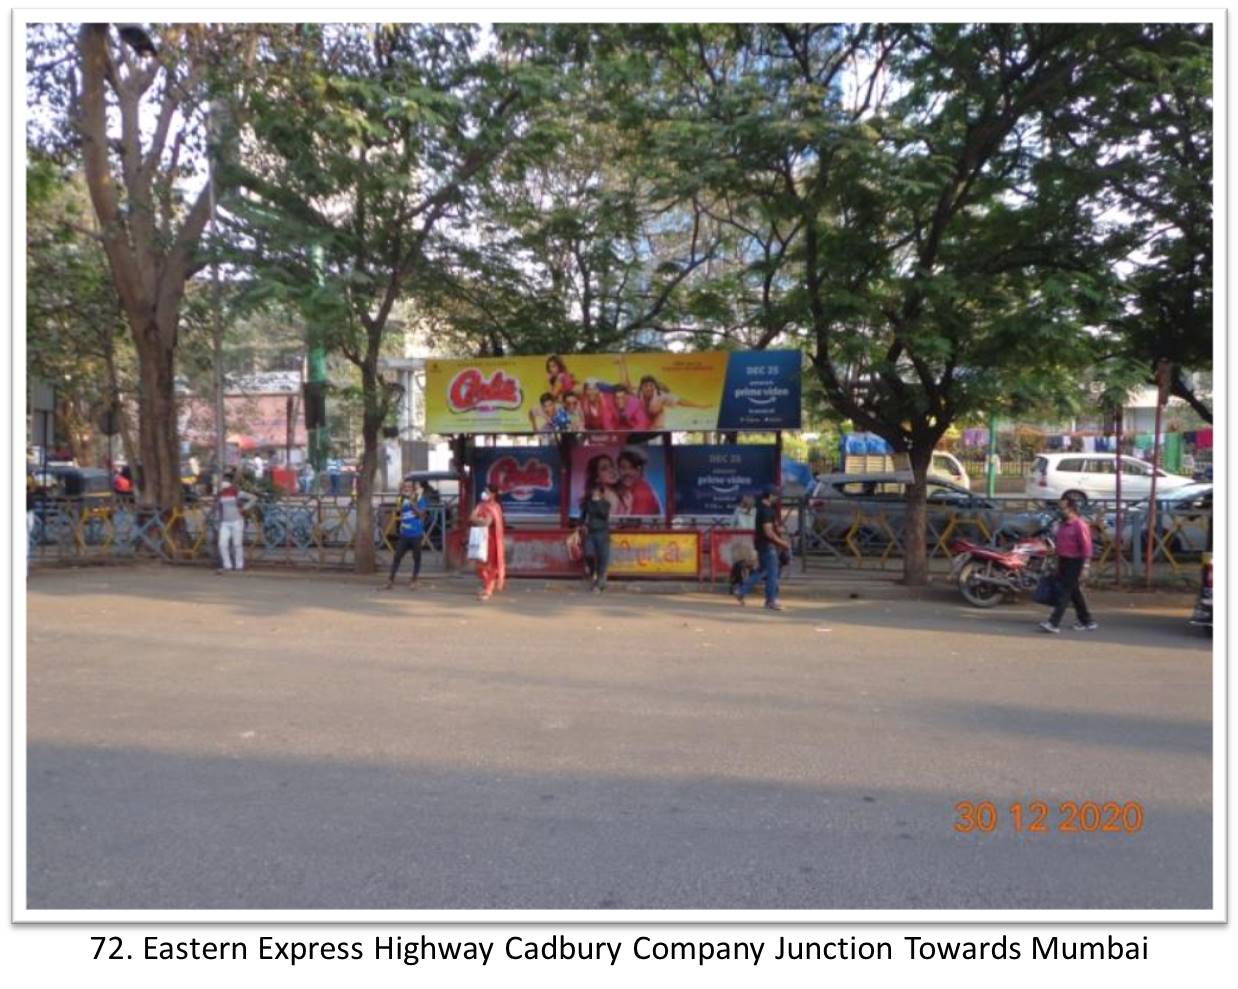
x=840, y=501
x=1184, y=516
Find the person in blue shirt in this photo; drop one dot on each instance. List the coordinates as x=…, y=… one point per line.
x=412, y=512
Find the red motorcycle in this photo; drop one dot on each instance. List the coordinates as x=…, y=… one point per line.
x=986, y=574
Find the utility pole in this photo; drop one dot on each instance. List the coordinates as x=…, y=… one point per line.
x=991, y=470
x=221, y=448
x=1162, y=396
x=316, y=380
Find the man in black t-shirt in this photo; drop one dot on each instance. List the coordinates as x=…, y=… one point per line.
x=767, y=541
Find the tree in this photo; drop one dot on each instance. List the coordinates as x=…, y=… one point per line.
x=361, y=146
x=577, y=252
x=928, y=241
x=1151, y=138
x=138, y=111
x=75, y=329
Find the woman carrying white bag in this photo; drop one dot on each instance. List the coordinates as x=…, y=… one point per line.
x=486, y=542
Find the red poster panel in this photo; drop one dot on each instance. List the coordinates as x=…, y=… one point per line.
x=726, y=546
x=538, y=552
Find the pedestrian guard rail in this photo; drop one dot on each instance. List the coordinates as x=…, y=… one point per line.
x=308, y=530
x=861, y=531
x=319, y=531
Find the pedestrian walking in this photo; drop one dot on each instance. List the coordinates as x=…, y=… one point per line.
x=412, y=532
x=489, y=515
x=767, y=541
x=1074, y=556
x=595, y=517
x=231, y=504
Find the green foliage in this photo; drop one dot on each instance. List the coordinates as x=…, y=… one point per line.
x=74, y=325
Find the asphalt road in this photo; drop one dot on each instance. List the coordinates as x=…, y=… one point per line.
x=268, y=741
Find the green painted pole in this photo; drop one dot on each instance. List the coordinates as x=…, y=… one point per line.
x=991, y=467
x=317, y=368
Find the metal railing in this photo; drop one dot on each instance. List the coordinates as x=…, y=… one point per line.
x=864, y=532
x=296, y=530
x=318, y=532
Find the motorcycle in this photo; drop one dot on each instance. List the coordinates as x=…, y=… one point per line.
x=986, y=574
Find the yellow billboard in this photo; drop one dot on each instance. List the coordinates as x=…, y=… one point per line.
x=613, y=392
x=649, y=554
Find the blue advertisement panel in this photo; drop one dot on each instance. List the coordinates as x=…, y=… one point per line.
x=762, y=390
x=710, y=480
x=527, y=477
x=632, y=478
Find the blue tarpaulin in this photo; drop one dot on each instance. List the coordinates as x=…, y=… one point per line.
x=861, y=444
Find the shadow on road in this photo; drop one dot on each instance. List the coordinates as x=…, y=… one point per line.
x=124, y=828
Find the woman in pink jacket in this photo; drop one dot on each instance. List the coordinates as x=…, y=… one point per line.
x=1074, y=554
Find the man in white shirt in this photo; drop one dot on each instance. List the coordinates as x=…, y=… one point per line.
x=232, y=503
x=745, y=514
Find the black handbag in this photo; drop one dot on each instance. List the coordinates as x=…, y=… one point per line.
x=1048, y=590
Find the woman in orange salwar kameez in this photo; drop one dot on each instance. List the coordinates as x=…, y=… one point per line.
x=493, y=572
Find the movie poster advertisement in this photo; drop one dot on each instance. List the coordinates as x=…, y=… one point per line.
x=614, y=393
x=633, y=479
x=527, y=477
x=710, y=480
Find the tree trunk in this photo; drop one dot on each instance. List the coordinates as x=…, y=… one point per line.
x=158, y=433
x=915, y=524
x=363, y=546
x=123, y=426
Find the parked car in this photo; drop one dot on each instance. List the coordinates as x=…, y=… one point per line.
x=949, y=466
x=831, y=508
x=64, y=481
x=1093, y=475
x=1185, y=514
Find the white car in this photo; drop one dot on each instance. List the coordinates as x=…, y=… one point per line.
x=1094, y=475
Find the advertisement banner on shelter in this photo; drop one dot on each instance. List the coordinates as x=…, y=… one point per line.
x=527, y=477
x=632, y=477
x=654, y=554
x=710, y=480
x=539, y=551
x=762, y=390
x=614, y=393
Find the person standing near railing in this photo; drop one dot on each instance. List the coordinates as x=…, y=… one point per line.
x=412, y=513
x=231, y=504
x=745, y=514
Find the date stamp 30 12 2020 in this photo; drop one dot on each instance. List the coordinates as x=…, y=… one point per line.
x=1039, y=817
